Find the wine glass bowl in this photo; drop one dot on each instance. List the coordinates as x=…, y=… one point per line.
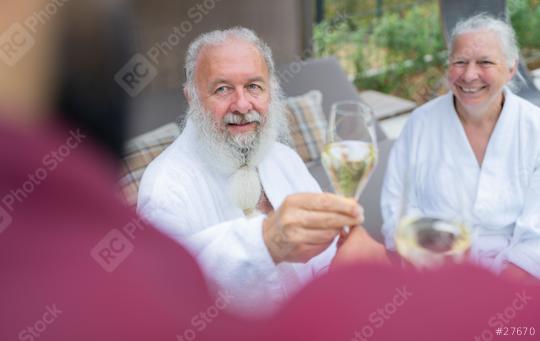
x=428, y=242
x=350, y=153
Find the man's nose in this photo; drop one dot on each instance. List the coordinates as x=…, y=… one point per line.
x=241, y=103
x=471, y=72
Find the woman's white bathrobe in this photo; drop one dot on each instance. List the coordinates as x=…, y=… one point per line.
x=187, y=198
x=501, y=198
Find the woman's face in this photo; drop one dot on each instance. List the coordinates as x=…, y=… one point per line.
x=477, y=72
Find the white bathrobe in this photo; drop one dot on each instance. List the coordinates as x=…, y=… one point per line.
x=500, y=200
x=187, y=198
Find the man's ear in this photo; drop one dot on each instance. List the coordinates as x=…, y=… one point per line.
x=186, y=94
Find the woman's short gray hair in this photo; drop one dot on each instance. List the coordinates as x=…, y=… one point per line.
x=486, y=22
x=218, y=37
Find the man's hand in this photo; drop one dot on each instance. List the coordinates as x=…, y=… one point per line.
x=306, y=224
x=359, y=247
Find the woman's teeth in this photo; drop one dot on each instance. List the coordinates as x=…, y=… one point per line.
x=471, y=90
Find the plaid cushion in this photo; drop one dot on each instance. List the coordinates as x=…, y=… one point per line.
x=307, y=124
x=139, y=152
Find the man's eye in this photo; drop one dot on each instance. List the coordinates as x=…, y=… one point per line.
x=221, y=90
x=254, y=87
x=485, y=62
x=459, y=62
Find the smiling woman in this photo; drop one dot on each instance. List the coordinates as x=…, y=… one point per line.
x=483, y=59
x=489, y=139
x=477, y=73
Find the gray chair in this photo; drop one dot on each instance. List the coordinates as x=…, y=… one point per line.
x=454, y=10
x=324, y=74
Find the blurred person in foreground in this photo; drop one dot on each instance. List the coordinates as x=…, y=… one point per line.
x=75, y=262
x=242, y=202
x=480, y=140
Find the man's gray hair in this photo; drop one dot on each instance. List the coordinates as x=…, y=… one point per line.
x=486, y=22
x=219, y=37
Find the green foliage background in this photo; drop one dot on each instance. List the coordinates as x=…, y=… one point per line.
x=399, y=48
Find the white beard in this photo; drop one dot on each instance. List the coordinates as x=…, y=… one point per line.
x=240, y=154
x=228, y=152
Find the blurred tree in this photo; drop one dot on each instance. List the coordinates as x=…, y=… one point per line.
x=525, y=18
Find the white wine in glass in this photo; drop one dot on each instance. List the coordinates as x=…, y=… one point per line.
x=428, y=241
x=350, y=153
x=349, y=165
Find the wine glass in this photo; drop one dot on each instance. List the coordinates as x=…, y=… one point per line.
x=430, y=240
x=350, y=153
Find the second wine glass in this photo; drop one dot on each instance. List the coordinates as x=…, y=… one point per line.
x=429, y=240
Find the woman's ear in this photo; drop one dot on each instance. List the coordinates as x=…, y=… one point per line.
x=513, y=70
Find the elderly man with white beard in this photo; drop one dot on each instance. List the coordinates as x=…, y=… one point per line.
x=244, y=204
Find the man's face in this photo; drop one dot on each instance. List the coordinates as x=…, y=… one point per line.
x=233, y=82
x=478, y=70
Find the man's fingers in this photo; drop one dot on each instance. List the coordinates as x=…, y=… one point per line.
x=307, y=223
x=318, y=220
x=312, y=236
x=326, y=220
x=327, y=202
